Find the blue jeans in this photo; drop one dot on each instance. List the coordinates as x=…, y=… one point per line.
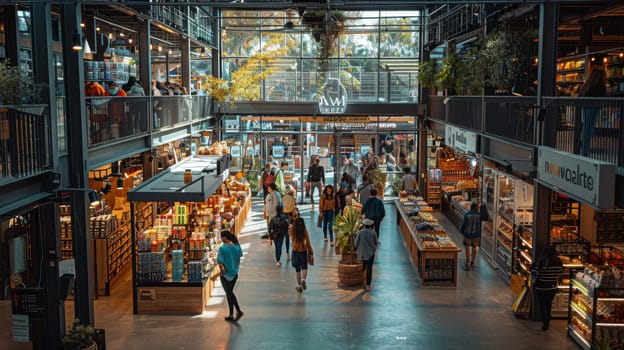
x=278, y=247
x=590, y=115
x=328, y=222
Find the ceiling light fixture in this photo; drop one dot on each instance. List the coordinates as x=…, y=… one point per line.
x=76, y=41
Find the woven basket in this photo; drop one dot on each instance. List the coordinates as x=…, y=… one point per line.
x=349, y=274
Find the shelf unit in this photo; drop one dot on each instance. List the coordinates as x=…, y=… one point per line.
x=504, y=224
x=573, y=253
x=610, y=226
x=434, y=191
x=487, y=227
x=571, y=72
x=595, y=314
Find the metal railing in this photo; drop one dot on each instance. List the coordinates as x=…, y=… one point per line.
x=112, y=118
x=566, y=122
x=25, y=143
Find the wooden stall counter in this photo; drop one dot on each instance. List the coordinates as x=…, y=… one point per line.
x=433, y=253
x=174, y=298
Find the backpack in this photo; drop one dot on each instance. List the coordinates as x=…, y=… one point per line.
x=269, y=178
x=278, y=226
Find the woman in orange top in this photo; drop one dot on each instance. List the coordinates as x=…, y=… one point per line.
x=327, y=209
x=301, y=248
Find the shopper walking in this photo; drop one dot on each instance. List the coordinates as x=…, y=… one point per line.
x=327, y=208
x=290, y=204
x=228, y=258
x=471, y=230
x=266, y=178
x=366, y=243
x=278, y=229
x=343, y=188
x=408, y=183
x=271, y=201
x=545, y=273
x=316, y=178
x=594, y=86
x=363, y=190
x=279, y=177
x=302, y=248
x=352, y=171
x=374, y=209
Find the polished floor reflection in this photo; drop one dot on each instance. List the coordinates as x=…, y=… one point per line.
x=397, y=314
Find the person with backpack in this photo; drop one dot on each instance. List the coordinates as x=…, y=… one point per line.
x=374, y=209
x=316, y=177
x=271, y=202
x=363, y=190
x=278, y=229
x=267, y=178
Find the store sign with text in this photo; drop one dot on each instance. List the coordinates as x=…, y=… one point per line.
x=333, y=97
x=587, y=179
x=460, y=139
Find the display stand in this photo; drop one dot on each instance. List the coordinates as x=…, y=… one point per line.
x=435, y=266
x=174, y=260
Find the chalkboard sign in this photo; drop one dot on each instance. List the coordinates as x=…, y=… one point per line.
x=29, y=301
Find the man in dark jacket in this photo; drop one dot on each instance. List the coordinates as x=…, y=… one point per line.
x=471, y=230
x=374, y=209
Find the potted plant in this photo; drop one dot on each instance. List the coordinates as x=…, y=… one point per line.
x=79, y=337
x=347, y=225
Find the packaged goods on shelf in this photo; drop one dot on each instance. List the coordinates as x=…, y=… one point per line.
x=177, y=265
x=195, y=271
x=152, y=266
x=102, y=225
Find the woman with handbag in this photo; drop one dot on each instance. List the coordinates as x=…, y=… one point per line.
x=229, y=262
x=327, y=208
x=301, y=250
x=545, y=273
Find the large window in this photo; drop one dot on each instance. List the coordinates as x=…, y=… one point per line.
x=373, y=53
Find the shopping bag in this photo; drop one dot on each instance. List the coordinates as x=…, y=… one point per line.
x=521, y=306
x=319, y=221
x=310, y=259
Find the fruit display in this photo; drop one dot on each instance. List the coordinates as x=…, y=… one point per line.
x=438, y=240
x=606, y=255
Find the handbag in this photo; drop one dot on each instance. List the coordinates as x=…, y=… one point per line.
x=319, y=221
x=310, y=259
x=220, y=270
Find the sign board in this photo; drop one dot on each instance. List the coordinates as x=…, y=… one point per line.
x=29, y=301
x=363, y=119
x=21, y=329
x=333, y=97
x=460, y=139
x=586, y=179
x=278, y=151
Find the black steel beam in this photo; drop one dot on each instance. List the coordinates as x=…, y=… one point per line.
x=76, y=136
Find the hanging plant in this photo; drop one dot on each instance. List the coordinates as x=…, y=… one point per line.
x=446, y=77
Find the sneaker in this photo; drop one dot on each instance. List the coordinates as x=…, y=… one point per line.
x=472, y=264
x=325, y=239
x=331, y=244
x=278, y=264
x=287, y=256
x=303, y=285
x=238, y=316
x=299, y=289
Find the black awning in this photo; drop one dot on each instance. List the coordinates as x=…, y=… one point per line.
x=169, y=186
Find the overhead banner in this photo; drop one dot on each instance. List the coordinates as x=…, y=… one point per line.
x=460, y=139
x=587, y=179
x=333, y=97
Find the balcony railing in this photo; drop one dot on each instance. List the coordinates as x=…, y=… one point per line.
x=112, y=118
x=565, y=121
x=25, y=143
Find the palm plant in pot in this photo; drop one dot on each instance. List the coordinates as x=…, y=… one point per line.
x=79, y=337
x=346, y=225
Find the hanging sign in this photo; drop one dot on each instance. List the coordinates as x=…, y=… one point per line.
x=333, y=97
x=587, y=179
x=460, y=139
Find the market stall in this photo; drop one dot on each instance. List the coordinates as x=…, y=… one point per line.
x=432, y=251
x=174, y=258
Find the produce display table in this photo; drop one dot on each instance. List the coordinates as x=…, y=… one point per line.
x=432, y=252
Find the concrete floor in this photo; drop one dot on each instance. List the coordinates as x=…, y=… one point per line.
x=397, y=314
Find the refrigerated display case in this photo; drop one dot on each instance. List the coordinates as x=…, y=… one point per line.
x=596, y=308
x=487, y=227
